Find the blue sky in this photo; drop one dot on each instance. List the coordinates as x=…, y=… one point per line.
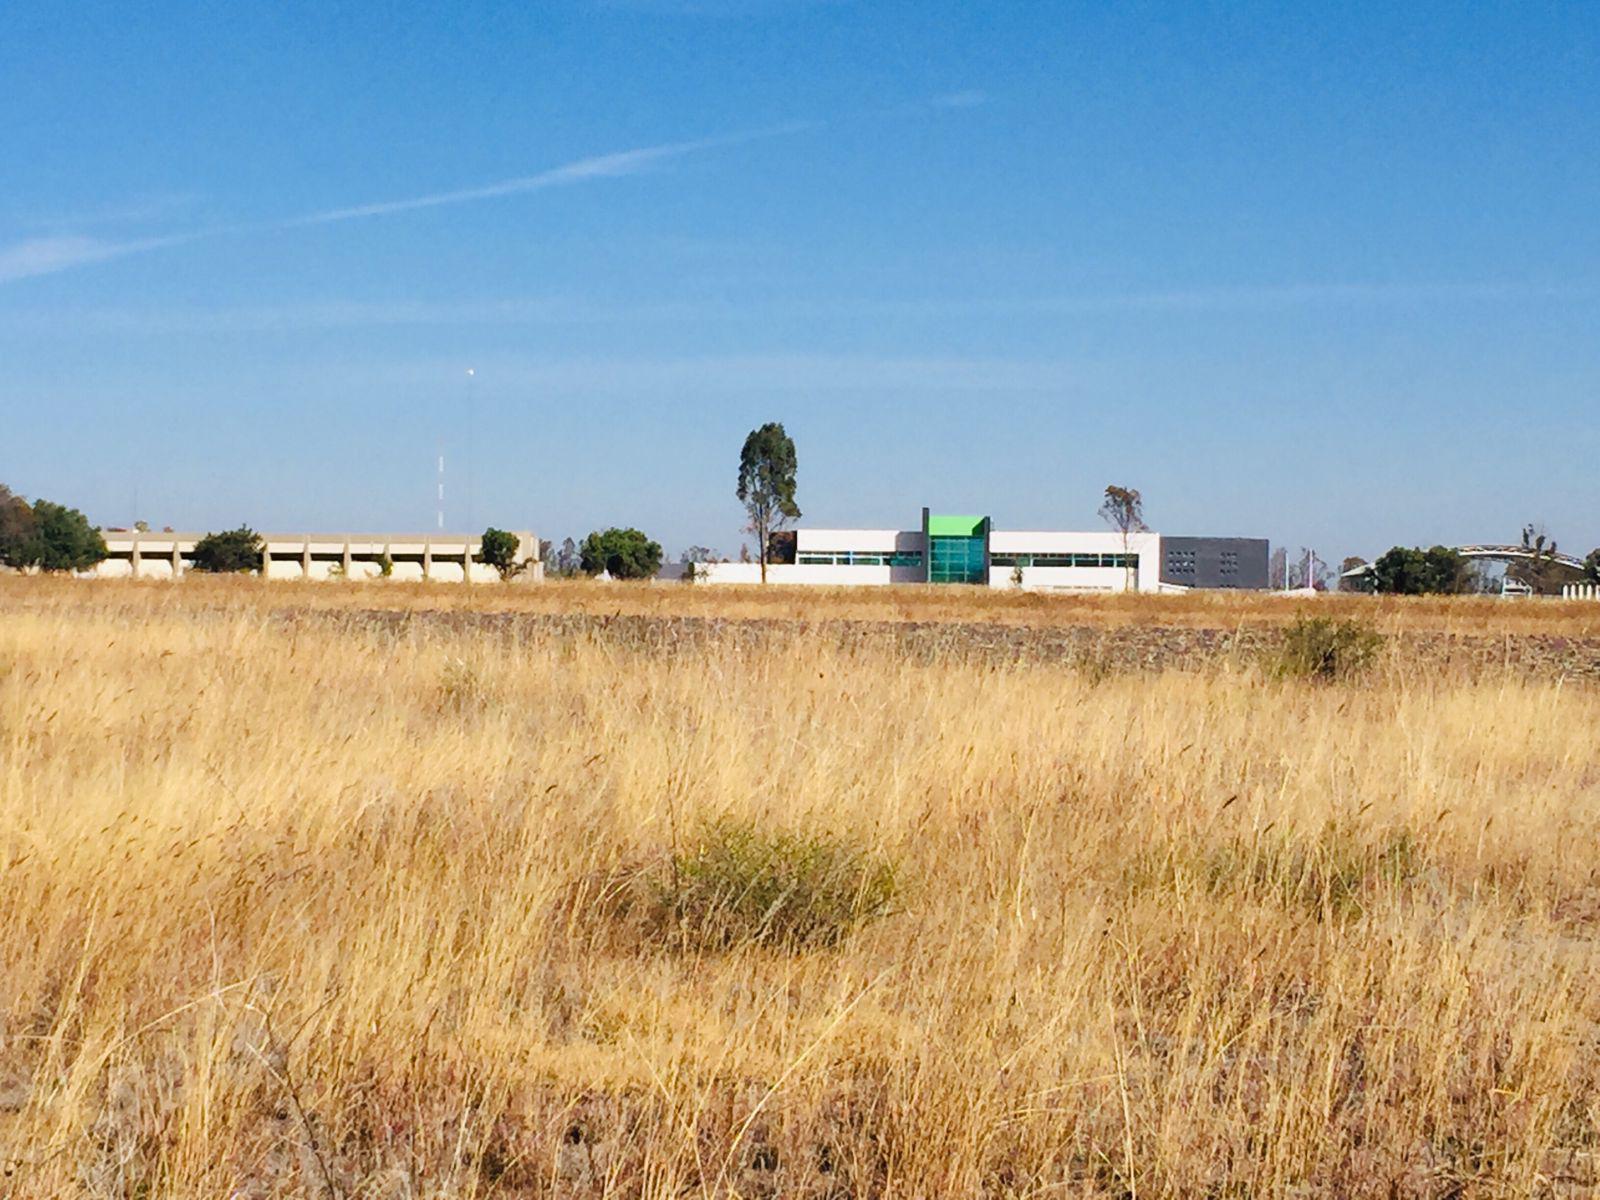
x=1324, y=273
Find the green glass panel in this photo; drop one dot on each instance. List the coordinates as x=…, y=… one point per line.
x=955, y=560
x=955, y=526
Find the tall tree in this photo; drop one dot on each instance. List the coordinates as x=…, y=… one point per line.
x=1123, y=510
x=767, y=466
x=566, y=562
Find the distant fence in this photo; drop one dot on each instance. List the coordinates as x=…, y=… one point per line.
x=1581, y=591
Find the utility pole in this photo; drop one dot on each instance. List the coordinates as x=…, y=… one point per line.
x=471, y=441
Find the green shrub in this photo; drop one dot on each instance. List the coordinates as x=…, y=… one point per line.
x=620, y=553
x=499, y=549
x=1325, y=649
x=743, y=884
x=240, y=549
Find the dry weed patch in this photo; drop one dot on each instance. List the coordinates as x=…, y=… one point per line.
x=741, y=883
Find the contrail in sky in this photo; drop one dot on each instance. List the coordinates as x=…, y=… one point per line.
x=47, y=255
x=583, y=170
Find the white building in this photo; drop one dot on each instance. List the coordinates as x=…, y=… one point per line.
x=967, y=549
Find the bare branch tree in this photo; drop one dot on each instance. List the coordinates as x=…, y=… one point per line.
x=1123, y=510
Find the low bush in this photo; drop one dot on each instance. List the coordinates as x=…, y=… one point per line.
x=499, y=549
x=1325, y=649
x=233, y=550
x=743, y=884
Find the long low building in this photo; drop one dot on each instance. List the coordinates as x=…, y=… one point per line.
x=968, y=549
x=413, y=557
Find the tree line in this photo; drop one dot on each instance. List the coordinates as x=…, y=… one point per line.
x=1443, y=571
x=44, y=535
x=766, y=484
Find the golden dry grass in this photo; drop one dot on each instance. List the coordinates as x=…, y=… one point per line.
x=1463, y=616
x=340, y=909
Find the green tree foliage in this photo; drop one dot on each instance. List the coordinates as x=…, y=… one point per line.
x=46, y=535
x=499, y=550
x=63, y=539
x=1409, y=571
x=16, y=526
x=1591, y=566
x=238, y=549
x=621, y=553
x=767, y=467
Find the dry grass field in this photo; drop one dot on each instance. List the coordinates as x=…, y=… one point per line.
x=362, y=908
x=1461, y=616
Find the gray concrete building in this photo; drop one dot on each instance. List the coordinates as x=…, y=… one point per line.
x=1214, y=562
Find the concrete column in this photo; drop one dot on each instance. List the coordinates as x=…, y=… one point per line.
x=177, y=560
x=305, y=558
x=466, y=562
x=427, y=559
x=346, y=560
x=133, y=556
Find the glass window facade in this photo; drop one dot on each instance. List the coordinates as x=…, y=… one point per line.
x=956, y=560
x=862, y=558
x=1066, y=560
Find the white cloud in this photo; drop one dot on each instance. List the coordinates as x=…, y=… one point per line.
x=46, y=255
x=600, y=166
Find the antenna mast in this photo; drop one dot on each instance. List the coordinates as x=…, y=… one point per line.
x=440, y=513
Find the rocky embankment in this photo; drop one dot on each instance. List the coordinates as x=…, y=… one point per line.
x=1136, y=647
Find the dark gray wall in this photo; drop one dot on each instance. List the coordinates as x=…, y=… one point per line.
x=1214, y=562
